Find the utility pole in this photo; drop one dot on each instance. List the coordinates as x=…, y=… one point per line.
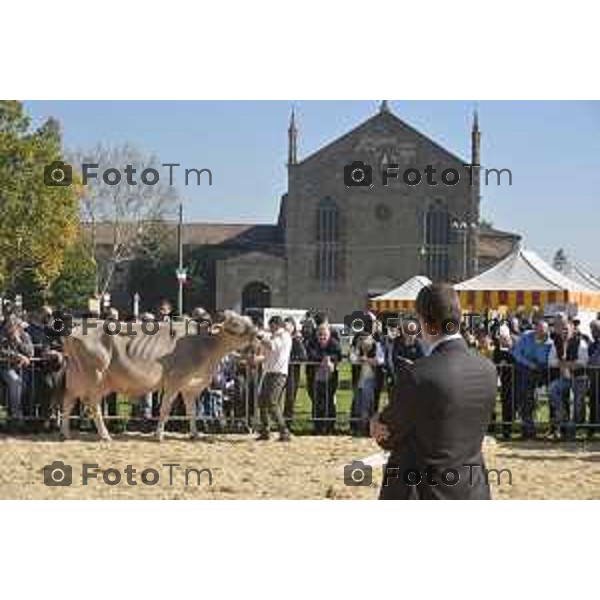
x=181, y=274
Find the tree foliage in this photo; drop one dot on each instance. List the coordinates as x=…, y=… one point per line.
x=124, y=211
x=37, y=222
x=76, y=283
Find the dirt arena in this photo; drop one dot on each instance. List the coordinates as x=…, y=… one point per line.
x=308, y=467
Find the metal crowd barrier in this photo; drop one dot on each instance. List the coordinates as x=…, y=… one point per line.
x=315, y=404
x=30, y=383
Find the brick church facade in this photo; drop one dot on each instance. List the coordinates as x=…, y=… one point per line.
x=334, y=246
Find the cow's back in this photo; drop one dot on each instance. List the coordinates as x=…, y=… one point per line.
x=88, y=358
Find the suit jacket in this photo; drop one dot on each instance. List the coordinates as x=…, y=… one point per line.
x=437, y=418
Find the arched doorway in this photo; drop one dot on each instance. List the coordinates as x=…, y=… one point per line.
x=256, y=295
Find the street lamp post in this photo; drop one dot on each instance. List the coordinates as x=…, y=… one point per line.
x=181, y=272
x=463, y=227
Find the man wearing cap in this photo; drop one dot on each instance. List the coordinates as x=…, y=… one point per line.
x=277, y=345
x=16, y=351
x=49, y=377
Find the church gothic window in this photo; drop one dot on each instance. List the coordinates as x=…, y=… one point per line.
x=437, y=237
x=328, y=237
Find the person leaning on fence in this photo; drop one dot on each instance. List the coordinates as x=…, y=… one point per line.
x=379, y=337
x=327, y=353
x=277, y=347
x=504, y=361
x=531, y=359
x=16, y=351
x=594, y=377
x=308, y=330
x=369, y=356
x=567, y=361
x=49, y=377
x=297, y=356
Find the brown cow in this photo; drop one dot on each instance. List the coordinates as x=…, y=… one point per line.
x=135, y=362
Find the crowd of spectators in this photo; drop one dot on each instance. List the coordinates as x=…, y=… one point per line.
x=532, y=356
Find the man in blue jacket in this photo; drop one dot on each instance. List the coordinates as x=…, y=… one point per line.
x=531, y=360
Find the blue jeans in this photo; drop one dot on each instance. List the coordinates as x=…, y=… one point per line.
x=560, y=399
x=14, y=381
x=526, y=382
x=363, y=406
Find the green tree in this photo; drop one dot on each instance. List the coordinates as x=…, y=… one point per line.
x=37, y=222
x=76, y=283
x=152, y=268
x=124, y=210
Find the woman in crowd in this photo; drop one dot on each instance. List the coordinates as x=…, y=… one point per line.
x=327, y=353
x=297, y=356
x=369, y=356
x=504, y=361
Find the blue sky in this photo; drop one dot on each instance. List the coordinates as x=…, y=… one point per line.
x=552, y=149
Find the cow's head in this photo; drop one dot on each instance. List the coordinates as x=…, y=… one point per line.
x=235, y=326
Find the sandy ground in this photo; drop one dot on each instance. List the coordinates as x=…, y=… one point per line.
x=308, y=467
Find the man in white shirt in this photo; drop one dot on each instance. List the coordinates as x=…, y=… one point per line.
x=277, y=346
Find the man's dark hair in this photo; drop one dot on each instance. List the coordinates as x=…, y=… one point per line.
x=320, y=319
x=439, y=302
x=276, y=320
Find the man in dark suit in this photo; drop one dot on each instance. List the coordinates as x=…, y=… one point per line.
x=442, y=404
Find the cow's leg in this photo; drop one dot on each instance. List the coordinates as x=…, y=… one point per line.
x=189, y=399
x=167, y=400
x=68, y=403
x=95, y=405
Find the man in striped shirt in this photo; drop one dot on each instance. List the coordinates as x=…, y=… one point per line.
x=277, y=346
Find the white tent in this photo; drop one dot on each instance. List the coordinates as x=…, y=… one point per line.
x=581, y=275
x=402, y=297
x=523, y=279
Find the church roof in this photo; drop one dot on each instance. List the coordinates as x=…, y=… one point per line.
x=239, y=236
x=389, y=119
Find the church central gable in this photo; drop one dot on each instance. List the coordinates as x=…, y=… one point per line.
x=383, y=139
